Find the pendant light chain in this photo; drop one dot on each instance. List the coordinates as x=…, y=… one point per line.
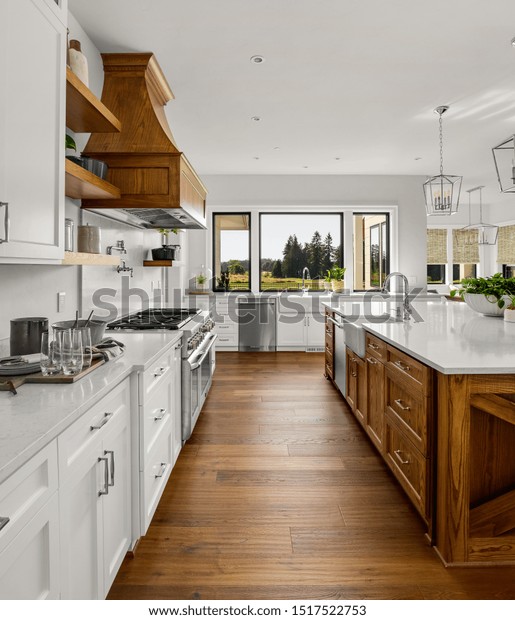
x=441, y=144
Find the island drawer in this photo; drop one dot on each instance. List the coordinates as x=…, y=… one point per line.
x=414, y=374
x=409, y=466
x=155, y=418
x=159, y=372
x=376, y=347
x=409, y=408
x=227, y=340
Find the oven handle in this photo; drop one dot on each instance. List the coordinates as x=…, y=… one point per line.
x=204, y=355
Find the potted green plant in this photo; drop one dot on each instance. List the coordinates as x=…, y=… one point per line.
x=201, y=280
x=166, y=251
x=337, y=282
x=327, y=281
x=487, y=296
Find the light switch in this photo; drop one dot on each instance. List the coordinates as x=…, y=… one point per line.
x=61, y=302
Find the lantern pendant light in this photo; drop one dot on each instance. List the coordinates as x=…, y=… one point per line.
x=442, y=192
x=504, y=159
x=486, y=233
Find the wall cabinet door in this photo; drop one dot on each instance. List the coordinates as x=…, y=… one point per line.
x=32, y=74
x=375, y=401
x=29, y=565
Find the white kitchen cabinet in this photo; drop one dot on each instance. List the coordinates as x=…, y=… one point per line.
x=29, y=534
x=32, y=126
x=300, y=332
x=176, y=402
x=95, y=497
x=226, y=325
x=160, y=431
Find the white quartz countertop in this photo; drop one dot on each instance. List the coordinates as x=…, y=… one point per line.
x=447, y=335
x=39, y=412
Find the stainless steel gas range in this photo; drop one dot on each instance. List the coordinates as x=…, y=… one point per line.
x=198, y=352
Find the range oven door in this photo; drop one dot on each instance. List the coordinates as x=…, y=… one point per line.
x=197, y=373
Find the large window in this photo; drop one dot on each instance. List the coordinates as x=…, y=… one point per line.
x=289, y=242
x=231, y=251
x=465, y=255
x=371, y=250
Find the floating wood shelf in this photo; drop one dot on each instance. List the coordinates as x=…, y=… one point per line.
x=81, y=183
x=84, y=111
x=82, y=258
x=157, y=263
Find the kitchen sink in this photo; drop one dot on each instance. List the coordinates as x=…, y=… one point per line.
x=355, y=335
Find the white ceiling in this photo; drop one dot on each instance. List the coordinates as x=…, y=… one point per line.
x=351, y=79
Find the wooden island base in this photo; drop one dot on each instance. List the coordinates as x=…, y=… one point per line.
x=475, y=478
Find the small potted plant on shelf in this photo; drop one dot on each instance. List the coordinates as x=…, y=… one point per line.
x=337, y=282
x=166, y=251
x=487, y=296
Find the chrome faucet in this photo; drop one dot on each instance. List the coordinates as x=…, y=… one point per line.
x=119, y=247
x=407, y=309
x=305, y=272
x=123, y=267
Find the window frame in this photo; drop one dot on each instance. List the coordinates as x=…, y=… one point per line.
x=293, y=213
x=387, y=215
x=213, y=255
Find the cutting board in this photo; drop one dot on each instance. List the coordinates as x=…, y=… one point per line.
x=10, y=384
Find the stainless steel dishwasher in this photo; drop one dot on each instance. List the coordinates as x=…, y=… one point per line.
x=257, y=324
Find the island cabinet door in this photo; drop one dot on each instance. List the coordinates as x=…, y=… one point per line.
x=361, y=391
x=375, y=401
x=352, y=380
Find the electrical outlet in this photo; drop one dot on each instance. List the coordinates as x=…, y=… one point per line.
x=61, y=302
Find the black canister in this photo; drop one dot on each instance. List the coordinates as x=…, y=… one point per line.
x=26, y=334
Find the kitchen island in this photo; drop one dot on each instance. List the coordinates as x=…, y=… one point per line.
x=436, y=395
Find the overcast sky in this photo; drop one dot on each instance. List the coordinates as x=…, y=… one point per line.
x=275, y=230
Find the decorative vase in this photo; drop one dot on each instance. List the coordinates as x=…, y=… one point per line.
x=509, y=315
x=78, y=62
x=485, y=304
x=337, y=285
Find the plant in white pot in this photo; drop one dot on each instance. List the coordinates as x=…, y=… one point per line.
x=488, y=296
x=337, y=283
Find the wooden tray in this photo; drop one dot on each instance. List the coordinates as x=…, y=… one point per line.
x=11, y=383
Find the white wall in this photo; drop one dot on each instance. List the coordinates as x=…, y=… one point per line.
x=328, y=191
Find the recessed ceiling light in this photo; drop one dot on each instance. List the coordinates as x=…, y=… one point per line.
x=337, y=158
x=513, y=41
x=256, y=157
x=258, y=60
x=418, y=158
x=255, y=118
x=305, y=166
x=276, y=148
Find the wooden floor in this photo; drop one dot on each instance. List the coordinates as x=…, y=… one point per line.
x=280, y=495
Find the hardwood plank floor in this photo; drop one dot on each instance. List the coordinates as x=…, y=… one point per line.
x=280, y=495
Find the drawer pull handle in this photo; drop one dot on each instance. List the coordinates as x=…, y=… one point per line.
x=105, y=490
x=371, y=360
x=162, y=413
x=3, y=522
x=401, y=406
x=353, y=374
x=105, y=420
x=401, y=460
x=111, y=453
x=373, y=346
x=159, y=372
x=161, y=471
x=402, y=366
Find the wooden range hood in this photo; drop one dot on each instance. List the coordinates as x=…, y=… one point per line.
x=159, y=188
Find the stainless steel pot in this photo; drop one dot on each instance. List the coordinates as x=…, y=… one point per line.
x=97, y=328
x=26, y=334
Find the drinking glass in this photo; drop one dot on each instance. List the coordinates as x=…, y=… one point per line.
x=50, y=360
x=87, y=355
x=71, y=351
